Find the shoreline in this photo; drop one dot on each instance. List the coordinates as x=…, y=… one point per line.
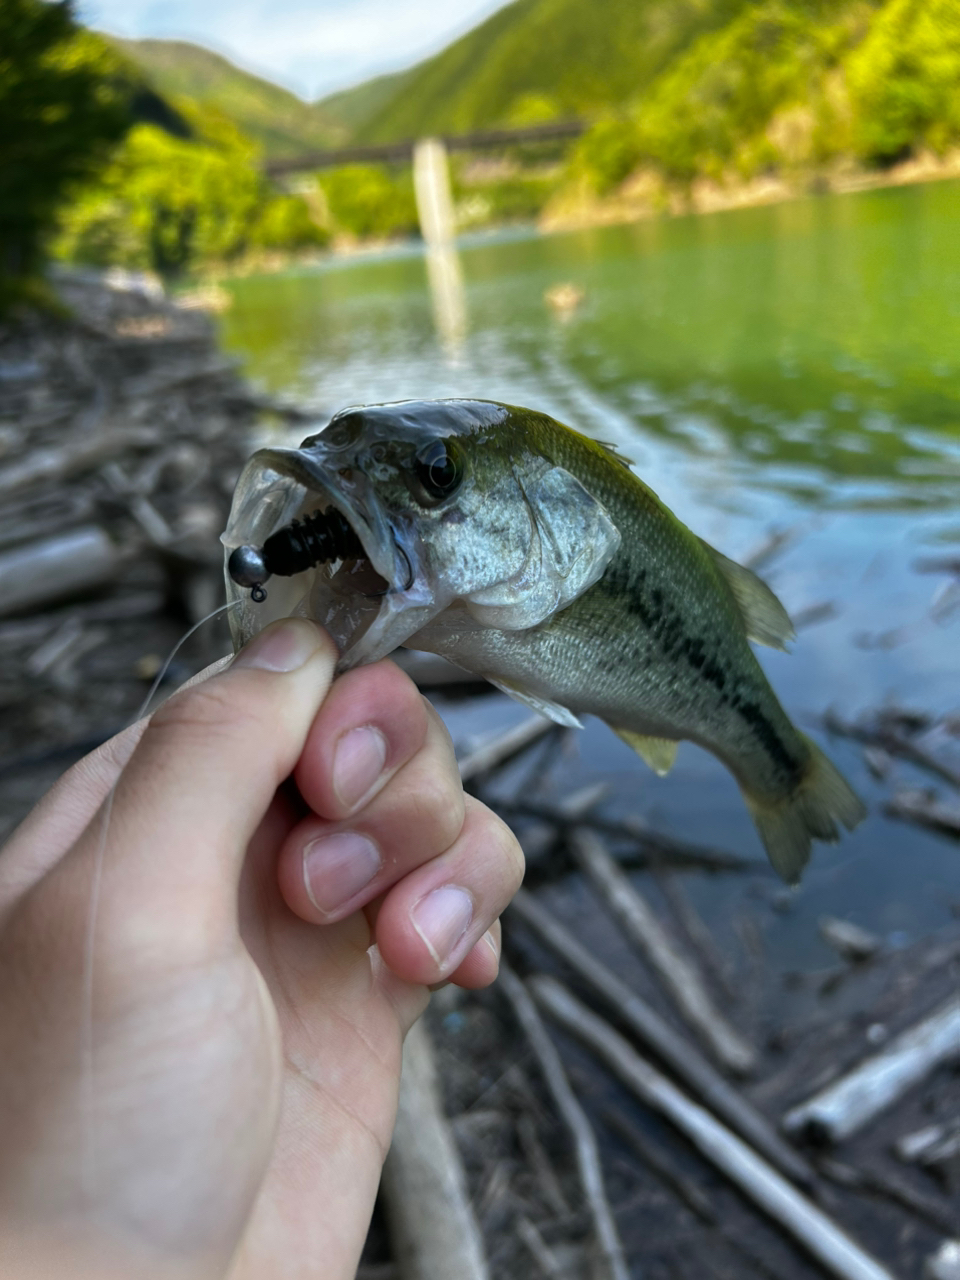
x=643, y=197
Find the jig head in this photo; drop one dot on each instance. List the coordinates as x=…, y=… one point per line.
x=300, y=545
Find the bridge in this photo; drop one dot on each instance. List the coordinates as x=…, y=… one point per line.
x=399, y=152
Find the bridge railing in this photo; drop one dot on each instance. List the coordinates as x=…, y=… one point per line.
x=396, y=152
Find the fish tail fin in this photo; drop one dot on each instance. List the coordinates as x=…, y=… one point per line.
x=815, y=810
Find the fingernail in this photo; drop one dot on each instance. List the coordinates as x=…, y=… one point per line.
x=337, y=867
x=490, y=939
x=284, y=646
x=357, y=764
x=441, y=919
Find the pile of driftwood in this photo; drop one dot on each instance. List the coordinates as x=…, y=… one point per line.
x=122, y=431
x=617, y=1108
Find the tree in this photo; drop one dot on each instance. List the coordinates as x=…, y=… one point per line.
x=65, y=99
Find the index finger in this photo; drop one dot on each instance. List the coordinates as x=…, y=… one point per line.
x=198, y=785
x=59, y=818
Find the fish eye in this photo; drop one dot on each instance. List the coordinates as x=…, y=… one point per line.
x=438, y=468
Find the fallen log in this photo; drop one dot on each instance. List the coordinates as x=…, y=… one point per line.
x=925, y=810
x=682, y=1057
x=435, y=1235
x=849, y=940
x=676, y=973
x=504, y=746
x=700, y=937
x=809, y=1226
x=878, y=1182
x=892, y=740
x=653, y=848
x=945, y=1263
x=40, y=572
x=609, y=1247
x=856, y=1098
x=52, y=466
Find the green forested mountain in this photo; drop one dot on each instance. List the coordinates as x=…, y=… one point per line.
x=538, y=59
x=279, y=121
x=353, y=109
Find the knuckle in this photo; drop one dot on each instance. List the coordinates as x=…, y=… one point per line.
x=437, y=803
x=497, y=839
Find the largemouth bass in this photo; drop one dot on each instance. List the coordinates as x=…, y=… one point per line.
x=532, y=555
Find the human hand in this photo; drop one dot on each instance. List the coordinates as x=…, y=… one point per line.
x=199, y=1051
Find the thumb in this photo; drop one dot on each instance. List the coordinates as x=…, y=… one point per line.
x=169, y=845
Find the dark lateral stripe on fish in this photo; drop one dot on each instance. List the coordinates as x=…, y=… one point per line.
x=665, y=625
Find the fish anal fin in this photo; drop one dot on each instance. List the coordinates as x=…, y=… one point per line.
x=765, y=620
x=658, y=753
x=552, y=710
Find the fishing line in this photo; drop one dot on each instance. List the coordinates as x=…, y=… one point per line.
x=88, y=1154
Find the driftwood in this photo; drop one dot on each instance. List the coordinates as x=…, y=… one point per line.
x=772, y=1194
x=676, y=973
x=666, y=1169
x=434, y=1232
x=886, y=733
x=675, y=1050
x=539, y=1162
x=848, y=939
x=122, y=431
x=701, y=939
x=649, y=848
x=504, y=746
x=54, y=466
x=857, y=1097
x=945, y=1263
x=822, y=611
x=935, y=1148
x=881, y=1182
x=609, y=1247
x=547, y=1261
x=925, y=810
x=577, y=805
x=42, y=572
x=777, y=541
x=938, y=564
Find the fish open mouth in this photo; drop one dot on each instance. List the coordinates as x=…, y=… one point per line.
x=305, y=539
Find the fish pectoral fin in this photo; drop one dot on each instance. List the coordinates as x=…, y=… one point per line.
x=765, y=620
x=658, y=753
x=552, y=710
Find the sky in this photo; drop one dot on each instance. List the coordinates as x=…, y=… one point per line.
x=313, y=47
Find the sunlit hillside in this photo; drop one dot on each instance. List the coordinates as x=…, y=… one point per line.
x=279, y=121
x=537, y=59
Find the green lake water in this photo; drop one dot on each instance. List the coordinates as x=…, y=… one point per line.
x=793, y=368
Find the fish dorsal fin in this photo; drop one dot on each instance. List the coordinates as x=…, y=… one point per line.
x=572, y=542
x=615, y=453
x=765, y=620
x=552, y=710
x=658, y=753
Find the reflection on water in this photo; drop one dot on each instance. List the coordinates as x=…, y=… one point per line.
x=795, y=366
x=431, y=180
x=446, y=290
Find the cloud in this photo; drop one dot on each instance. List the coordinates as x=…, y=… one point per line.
x=312, y=46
